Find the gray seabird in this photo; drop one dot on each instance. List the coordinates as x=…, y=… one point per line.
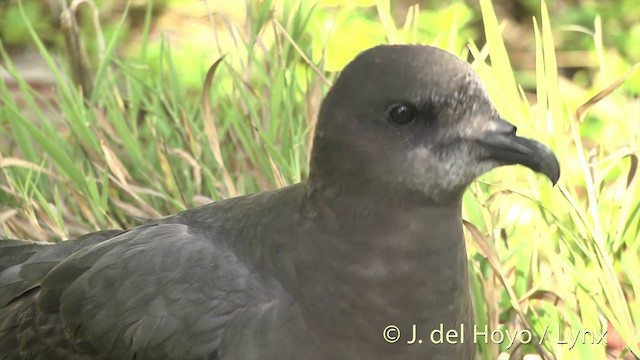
x=318, y=270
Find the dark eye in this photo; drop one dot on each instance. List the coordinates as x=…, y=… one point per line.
x=402, y=114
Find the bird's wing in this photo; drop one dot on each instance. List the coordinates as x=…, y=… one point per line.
x=161, y=291
x=23, y=265
x=15, y=252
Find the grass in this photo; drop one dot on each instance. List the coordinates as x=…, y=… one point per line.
x=139, y=143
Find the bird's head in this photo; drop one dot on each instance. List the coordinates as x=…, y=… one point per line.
x=415, y=118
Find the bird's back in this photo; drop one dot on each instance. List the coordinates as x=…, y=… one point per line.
x=172, y=288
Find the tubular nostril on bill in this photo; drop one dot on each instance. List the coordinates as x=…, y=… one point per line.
x=504, y=127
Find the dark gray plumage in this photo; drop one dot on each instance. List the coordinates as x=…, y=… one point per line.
x=315, y=270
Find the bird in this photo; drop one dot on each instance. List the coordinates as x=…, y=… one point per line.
x=362, y=260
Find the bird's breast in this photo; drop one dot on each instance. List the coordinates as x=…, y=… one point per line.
x=393, y=282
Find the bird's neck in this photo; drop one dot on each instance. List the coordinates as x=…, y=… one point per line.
x=404, y=261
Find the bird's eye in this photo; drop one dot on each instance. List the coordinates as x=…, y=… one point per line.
x=402, y=114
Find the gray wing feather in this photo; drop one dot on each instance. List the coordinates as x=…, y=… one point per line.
x=26, y=332
x=26, y=271
x=155, y=292
x=16, y=251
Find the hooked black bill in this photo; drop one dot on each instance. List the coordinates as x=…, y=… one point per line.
x=504, y=146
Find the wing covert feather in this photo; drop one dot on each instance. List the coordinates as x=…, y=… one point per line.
x=156, y=292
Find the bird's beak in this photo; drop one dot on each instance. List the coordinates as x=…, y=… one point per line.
x=502, y=145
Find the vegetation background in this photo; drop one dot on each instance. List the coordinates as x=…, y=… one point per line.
x=106, y=120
